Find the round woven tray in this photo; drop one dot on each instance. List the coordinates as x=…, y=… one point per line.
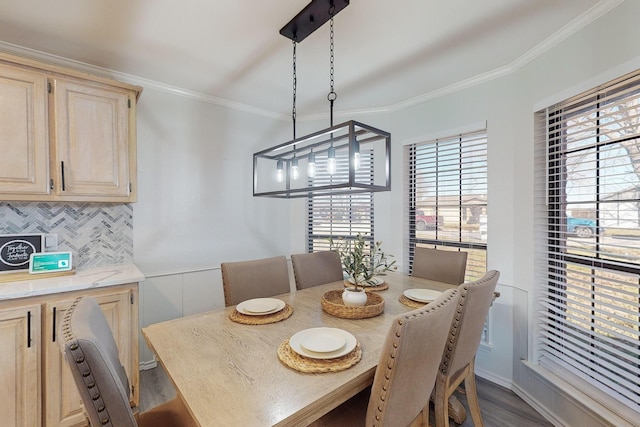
x=381, y=287
x=305, y=364
x=332, y=304
x=238, y=317
x=411, y=303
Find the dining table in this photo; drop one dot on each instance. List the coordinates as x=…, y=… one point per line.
x=229, y=373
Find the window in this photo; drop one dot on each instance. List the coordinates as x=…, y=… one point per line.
x=343, y=215
x=588, y=211
x=447, y=197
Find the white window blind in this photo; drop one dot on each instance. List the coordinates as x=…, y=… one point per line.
x=447, y=197
x=588, y=246
x=344, y=215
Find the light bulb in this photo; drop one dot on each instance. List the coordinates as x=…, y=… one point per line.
x=311, y=165
x=279, y=171
x=331, y=161
x=295, y=170
x=356, y=155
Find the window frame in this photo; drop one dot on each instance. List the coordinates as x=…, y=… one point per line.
x=462, y=139
x=576, y=285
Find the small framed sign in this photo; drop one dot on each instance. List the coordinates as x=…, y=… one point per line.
x=49, y=262
x=16, y=251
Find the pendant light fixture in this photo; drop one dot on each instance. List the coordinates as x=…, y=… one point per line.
x=347, y=158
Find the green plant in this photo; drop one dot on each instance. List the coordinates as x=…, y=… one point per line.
x=362, y=260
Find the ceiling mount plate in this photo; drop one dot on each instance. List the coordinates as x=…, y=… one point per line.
x=312, y=17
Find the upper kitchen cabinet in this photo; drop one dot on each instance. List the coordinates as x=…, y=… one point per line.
x=92, y=155
x=65, y=135
x=24, y=163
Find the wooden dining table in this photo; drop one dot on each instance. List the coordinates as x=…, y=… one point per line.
x=229, y=374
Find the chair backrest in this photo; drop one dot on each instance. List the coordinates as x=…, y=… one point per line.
x=258, y=278
x=468, y=323
x=439, y=265
x=316, y=268
x=409, y=362
x=88, y=345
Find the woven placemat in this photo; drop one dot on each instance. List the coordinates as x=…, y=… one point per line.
x=411, y=303
x=383, y=286
x=307, y=365
x=264, y=319
x=332, y=304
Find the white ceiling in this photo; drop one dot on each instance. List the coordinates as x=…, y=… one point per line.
x=387, y=53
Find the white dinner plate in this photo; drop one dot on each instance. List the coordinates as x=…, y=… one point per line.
x=303, y=336
x=260, y=306
x=323, y=341
x=377, y=281
x=422, y=295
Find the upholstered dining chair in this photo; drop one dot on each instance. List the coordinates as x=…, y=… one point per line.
x=90, y=350
x=316, y=268
x=257, y=278
x=459, y=354
x=406, y=371
x=439, y=265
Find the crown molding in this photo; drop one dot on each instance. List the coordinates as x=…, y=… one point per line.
x=597, y=11
x=129, y=78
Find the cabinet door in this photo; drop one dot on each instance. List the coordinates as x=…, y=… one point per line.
x=91, y=149
x=20, y=366
x=24, y=162
x=62, y=402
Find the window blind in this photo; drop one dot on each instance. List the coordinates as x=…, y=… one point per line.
x=588, y=238
x=343, y=215
x=447, y=197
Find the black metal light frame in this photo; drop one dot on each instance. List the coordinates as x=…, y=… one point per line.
x=350, y=137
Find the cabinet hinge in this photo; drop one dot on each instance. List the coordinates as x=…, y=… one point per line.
x=130, y=187
x=49, y=89
x=133, y=389
x=131, y=299
x=129, y=102
x=51, y=184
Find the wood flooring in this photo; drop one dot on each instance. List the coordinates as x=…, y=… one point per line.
x=500, y=407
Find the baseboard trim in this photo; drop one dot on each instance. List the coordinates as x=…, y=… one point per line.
x=542, y=410
x=490, y=376
x=601, y=410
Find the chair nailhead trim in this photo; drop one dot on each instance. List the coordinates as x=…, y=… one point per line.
x=82, y=367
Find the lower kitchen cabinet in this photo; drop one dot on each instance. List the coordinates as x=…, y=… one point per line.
x=20, y=391
x=45, y=393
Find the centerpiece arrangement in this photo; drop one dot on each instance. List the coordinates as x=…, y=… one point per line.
x=363, y=262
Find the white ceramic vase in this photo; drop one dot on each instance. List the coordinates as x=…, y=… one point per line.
x=353, y=298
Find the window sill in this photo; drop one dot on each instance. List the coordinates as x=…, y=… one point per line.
x=585, y=395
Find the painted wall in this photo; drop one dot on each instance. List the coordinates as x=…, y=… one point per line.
x=195, y=206
x=592, y=56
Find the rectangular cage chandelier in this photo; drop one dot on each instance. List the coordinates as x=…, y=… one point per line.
x=347, y=158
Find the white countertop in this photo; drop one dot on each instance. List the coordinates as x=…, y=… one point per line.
x=86, y=278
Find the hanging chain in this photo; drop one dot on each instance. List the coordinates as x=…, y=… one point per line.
x=295, y=84
x=332, y=94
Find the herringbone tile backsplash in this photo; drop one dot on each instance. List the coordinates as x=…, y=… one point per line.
x=96, y=233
